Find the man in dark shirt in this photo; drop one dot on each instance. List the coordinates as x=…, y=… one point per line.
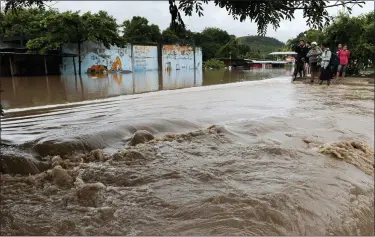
x=301, y=51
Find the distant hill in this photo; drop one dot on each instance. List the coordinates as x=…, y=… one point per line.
x=262, y=43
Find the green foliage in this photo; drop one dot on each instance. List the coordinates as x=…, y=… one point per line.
x=26, y=23
x=216, y=35
x=180, y=36
x=310, y=35
x=261, y=43
x=315, y=35
x=71, y=27
x=21, y=4
x=213, y=63
x=217, y=43
x=48, y=30
x=169, y=36
x=255, y=55
x=265, y=13
x=212, y=40
x=356, y=32
x=291, y=43
x=137, y=30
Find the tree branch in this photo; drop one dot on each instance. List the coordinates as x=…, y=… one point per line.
x=333, y=5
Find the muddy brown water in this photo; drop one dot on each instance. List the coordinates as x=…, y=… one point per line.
x=21, y=92
x=263, y=157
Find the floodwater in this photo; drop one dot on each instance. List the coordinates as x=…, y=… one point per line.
x=263, y=157
x=20, y=92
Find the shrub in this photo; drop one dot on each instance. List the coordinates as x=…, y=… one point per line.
x=214, y=63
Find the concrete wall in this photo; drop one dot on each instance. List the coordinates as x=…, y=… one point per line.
x=96, y=54
x=176, y=63
x=145, y=58
x=178, y=66
x=198, y=67
x=176, y=57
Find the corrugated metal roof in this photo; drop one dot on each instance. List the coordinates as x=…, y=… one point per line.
x=62, y=55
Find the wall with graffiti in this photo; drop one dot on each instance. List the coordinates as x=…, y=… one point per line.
x=176, y=57
x=117, y=64
x=178, y=66
x=98, y=59
x=145, y=58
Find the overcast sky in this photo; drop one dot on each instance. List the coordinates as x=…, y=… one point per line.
x=157, y=12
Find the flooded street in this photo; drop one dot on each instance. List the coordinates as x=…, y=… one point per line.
x=20, y=92
x=256, y=157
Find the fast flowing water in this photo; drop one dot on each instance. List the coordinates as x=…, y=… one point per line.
x=263, y=157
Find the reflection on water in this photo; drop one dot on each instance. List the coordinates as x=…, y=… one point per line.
x=20, y=92
x=146, y=81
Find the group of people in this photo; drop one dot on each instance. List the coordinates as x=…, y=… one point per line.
x=321, y=61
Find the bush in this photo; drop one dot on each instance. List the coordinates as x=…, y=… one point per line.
x=352, y=70
x=214, y=63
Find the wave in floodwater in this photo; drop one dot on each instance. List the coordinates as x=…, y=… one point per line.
x=227, y=161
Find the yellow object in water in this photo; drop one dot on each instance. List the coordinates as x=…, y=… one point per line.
x=117, y=64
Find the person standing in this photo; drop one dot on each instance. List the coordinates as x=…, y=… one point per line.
x=313, y=55
x=306, y=66
x=344, y=56
x=339, y=47
x=325, y=73
x=301, y=51
x=336, y=61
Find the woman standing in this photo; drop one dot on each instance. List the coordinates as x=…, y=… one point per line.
x=326, y=73
x=344, y=56
x=313, y=54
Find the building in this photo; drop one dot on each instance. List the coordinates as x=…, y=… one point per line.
x=17, y=61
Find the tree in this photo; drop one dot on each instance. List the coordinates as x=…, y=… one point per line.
x=71, y=27
x=262, y=13
x=137, y=30
x=315, y=35
x=211, y=39
x=25, y=23
x=357, y=33
x=169, y=36
x=217, y=35
x=310, y=35
x=255, y=55
x=265, y=12
x=230, y=49
x=291, y=43
x=233, y=49
x=261, y=43
x=21, y=4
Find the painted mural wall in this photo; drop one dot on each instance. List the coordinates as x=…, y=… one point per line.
x=97, y=58
x=176, y=57
x=115, y=64
x=178, y=66
x=145, y=58
x=146, y=75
